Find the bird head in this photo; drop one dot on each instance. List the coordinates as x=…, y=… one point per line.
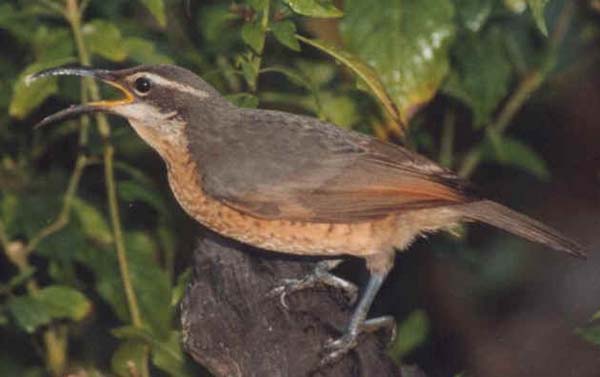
x=159, y=101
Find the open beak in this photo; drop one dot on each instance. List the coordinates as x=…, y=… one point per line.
x=107, y=76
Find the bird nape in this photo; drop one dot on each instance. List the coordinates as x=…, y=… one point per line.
x=295, y=184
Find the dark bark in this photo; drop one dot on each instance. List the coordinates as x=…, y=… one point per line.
x=233, y=328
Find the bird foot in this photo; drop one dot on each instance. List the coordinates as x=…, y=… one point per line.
x=336, y=349
x=319, y=277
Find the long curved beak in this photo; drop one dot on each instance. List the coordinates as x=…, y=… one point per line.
x=105, y=75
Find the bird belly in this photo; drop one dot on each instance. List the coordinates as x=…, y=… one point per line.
x=286, y=236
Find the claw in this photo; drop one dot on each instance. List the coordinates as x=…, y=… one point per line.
x=319, y=277
x=288, y=286
x=338, y=348
x=385, y=322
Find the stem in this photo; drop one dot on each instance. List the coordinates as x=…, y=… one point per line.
x=264, y=22
x=529, y=84
x=55, y=337
x=64, y=215
x=73, y=16
x=518, y=98
x=136, y=318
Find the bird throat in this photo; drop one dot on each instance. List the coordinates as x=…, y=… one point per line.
x=167, y=139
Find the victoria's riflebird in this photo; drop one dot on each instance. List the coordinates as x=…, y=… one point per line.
x=295, y=184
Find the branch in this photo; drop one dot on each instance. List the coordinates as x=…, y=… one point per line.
x=232, y=327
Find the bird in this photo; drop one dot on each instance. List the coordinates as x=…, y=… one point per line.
x=293, y=183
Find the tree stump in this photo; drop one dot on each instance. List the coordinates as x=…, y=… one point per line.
x=233, y=327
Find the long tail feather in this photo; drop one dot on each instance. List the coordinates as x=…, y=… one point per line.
x=502, y=217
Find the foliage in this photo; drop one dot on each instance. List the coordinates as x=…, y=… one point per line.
x=73, y=270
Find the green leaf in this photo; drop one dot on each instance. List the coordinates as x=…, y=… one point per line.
x=64, y=302
x=537, y=9
x=131, y=353
x=320, y=73
x=104, y=38
x=285, y=33
x=35, y=210
x=362, y=70
x=512, y=152
x=150, y=281
x=17, y=22
x=245, y=100
x=103, y=264
x=28, y=313
x=28, y=97
x=53, y=302
x=157, y=8
x=214, y=22
x=406, y=42
x=183, y=280
x=132, y=333
x=410, y=334
x=141, y=244
x=93, y=222
x=143, y=51
x=166, y=354
x=253, y=34
x=481, y=73
x=340, y=110
x=62, y=247
x=314, y=8
x=249, y=67
x=52, y=43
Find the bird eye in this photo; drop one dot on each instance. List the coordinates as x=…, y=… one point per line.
x=142, y=85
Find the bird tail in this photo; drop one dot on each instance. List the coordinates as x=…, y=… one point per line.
x=511, y=221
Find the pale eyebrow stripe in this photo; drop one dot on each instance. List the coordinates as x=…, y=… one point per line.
x=175, y=85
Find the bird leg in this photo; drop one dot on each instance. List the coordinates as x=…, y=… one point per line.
x=358, y=323
x=321, y=276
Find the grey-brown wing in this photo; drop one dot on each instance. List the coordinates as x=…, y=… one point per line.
x=283, y=166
